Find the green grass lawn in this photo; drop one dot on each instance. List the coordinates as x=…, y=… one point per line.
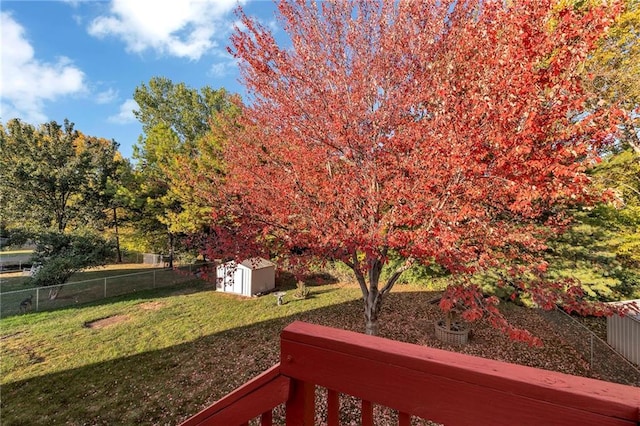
x=159, y=356
x=127, y=369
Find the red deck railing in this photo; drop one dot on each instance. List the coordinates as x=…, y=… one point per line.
x=441, y=386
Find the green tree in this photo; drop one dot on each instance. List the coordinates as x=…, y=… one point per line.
x=155, y=204
x=116, y=197
x=51, y=176
x=187, y=111
x=602, y=247
x=620, y=174
x=613, y=71
x=55, y=186
x=177, y=140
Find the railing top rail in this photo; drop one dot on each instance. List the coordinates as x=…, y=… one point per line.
x=431, y=383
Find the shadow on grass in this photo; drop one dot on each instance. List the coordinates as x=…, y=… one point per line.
x=166, y=386
x=287, y=280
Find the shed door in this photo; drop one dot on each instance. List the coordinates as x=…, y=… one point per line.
x=238, y=280
x=246, y=282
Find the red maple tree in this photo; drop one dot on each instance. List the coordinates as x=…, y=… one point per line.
x=445, y=132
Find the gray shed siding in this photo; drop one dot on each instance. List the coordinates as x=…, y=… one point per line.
x=623, y=334
x=263, y=279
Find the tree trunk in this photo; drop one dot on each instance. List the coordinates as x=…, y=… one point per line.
x=115, y=228
x=636, y=147
x=171, y=242
x=54, y=292
x=632, y=138
x=372, y=308
x=371, y=295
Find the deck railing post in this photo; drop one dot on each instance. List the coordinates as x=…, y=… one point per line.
x=404, y=419
x=301, y=404
x=333, y=408
x=367, y=413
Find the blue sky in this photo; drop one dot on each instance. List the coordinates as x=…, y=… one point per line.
x=82, y=60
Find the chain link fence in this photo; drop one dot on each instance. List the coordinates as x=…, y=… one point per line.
x=604, y=362
x=40, y=298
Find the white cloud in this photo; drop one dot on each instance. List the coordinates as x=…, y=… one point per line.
x=125, y=115
x=225, y=64
x=184, y=29
x=106, y=96
x=221, y=69
x=26, y=82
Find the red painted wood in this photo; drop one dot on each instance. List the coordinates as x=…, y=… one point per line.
x=442, y=386
x=301, y=404
x=255, y=397
x=267, y=418
x=435, y=384
x=333, y=408
x=244, y=424
x=404, y=419
x=367, y=413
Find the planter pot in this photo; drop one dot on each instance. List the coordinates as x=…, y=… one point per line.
x=457, y=335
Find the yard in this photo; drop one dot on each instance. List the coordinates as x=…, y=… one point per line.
x=159, y=356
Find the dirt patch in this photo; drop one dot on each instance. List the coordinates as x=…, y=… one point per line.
x=8, y=336
x=151, y=306
x=106, y=322
x=32, y=355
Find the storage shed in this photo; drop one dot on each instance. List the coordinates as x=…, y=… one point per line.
x=623, y=334
x=253, y=276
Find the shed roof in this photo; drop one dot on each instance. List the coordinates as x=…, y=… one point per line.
x=635, y=315
x=257, y=263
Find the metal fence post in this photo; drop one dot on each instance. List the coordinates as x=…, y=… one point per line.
x=37, y=297
x=154, y=279
x=105, y=287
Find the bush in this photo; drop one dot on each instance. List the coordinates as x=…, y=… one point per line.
x=62, y=255
x=302, y=291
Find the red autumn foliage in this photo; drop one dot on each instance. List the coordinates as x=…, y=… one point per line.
x=438, y=131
